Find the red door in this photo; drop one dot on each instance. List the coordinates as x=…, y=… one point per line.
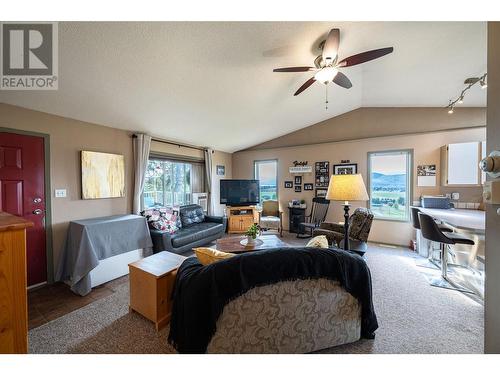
x=22, y=193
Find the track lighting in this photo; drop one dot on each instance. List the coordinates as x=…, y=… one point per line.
x=469, y=82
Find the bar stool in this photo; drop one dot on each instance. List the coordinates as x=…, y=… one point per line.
x=429, y=263
x=430, y=230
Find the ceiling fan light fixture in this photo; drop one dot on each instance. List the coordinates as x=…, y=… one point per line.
x=326, y=75
x=461, y=100
x=483, y=84
x=450, y=111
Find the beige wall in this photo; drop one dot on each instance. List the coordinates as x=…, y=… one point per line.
x=492, y=290
x=67, y=138
x=225, y=159
x=426, y=151
x=378, y=122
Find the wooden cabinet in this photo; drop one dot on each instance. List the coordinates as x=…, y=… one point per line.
x=241, y=218
x=460, y=164
x=13, y=284
x=151, y=284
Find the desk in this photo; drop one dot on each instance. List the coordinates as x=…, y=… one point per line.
x=91, y=240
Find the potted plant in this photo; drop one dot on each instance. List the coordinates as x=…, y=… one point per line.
x=303, y=203
x=252, y=233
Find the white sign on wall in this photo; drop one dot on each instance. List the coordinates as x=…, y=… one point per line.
x=300, y=169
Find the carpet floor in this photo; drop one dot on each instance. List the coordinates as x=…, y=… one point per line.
x=413, y=318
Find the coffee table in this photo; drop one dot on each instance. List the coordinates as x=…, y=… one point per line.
x=232, y=244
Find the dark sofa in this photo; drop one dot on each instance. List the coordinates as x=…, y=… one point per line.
x=197, y=229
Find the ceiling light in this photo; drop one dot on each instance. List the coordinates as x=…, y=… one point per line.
x=461, y=100
x=326, y=75
x=483, y=84
x=450, y=110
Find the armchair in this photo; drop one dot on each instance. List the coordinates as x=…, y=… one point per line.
x=271, y=217
x=360, y=224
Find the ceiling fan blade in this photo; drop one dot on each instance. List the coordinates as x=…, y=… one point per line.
x=331, y=47
x=308, y=83
x=295, y=69
x=365, y=56
x=342, y=80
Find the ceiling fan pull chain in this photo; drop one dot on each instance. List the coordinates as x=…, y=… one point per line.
x=326, y=97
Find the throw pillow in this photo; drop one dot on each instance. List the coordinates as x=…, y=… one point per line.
x=164, y=224
x=190, y=216
x=208, y=256
x=318, y=241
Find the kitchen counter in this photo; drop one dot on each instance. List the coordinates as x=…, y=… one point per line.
x=459, y=218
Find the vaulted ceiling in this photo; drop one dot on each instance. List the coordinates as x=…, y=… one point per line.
x=211, y=83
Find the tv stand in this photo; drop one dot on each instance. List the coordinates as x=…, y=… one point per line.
x=240, y=218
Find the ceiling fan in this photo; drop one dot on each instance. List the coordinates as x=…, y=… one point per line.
x=327, y=64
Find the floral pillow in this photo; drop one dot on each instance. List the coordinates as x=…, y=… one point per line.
x=164, y=224
x=162, y=218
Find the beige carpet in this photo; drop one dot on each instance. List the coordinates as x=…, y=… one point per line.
x=413, y=318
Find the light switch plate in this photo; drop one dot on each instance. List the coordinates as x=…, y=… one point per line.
x=60, y=193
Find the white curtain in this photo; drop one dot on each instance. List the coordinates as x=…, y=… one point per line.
x=208, y=180
x=142, y=144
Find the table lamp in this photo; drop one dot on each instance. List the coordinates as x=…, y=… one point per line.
x=346, y=187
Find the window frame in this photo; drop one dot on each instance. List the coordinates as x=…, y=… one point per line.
x=163, y=160
x=409, y=181
x=255, y=163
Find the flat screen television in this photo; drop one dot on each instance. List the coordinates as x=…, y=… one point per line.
x=239, y=192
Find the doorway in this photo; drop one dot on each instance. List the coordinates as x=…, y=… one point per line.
x=23, y=188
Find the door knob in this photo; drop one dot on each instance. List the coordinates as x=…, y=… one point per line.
x=37, y=211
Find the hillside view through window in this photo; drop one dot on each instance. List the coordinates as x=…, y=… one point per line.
x=390, y=184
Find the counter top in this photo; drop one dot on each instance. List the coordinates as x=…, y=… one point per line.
x=11, y=222
x=459, y=218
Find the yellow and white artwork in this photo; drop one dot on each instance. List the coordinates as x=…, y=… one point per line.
x=103, y=175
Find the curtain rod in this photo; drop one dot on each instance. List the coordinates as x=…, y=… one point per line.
x=174, y=144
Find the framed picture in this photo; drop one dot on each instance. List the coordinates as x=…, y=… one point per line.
x=288, y=184
x=426, y=175
x=321, y=193
x=345, y=168
x=322, y=173
x=298, y=180
x=103, y=175
x=308, y=187
x=221, y=170
x=298, y=188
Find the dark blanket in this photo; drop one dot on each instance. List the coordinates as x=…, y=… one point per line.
x=201, y=292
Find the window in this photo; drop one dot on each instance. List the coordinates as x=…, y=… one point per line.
x=389, y=175
x=168, y=183
x=266, y=171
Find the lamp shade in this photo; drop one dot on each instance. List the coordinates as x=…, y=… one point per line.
x=347, y=187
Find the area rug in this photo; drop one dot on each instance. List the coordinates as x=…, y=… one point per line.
x=413, y=318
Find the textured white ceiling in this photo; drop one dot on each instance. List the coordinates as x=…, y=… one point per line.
x=211, y=83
